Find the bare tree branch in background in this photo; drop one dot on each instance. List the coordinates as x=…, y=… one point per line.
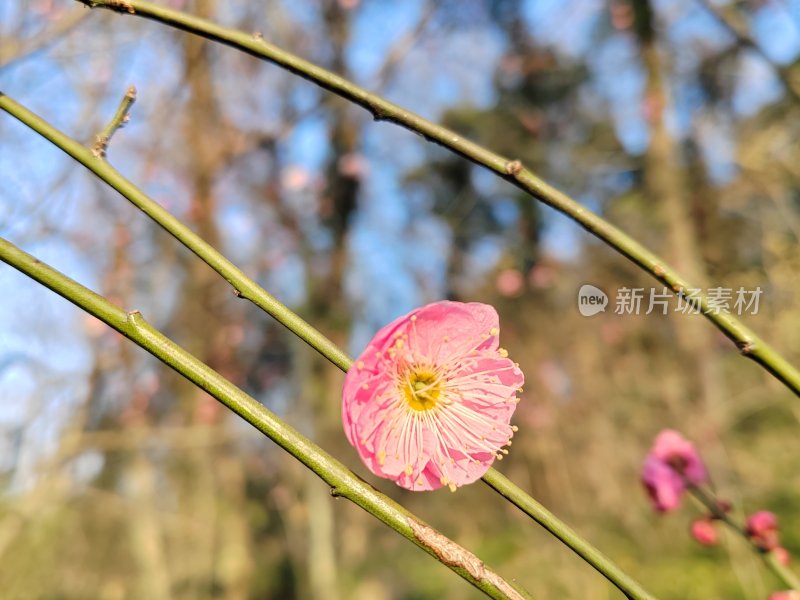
x=730, y=18
x=14, y=50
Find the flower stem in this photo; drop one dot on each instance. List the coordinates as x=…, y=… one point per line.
x=507, y=488
x=343, y=482
x=249, y=289
x=513, y=171
x=781, y=571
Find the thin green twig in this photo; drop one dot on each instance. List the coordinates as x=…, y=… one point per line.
x=749, y=344
x=119, y=119
x=343, y=482
x=249, y=289
x=783, y=573
x=507, y=488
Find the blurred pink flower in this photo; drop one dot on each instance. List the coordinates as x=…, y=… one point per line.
x=762, y=528
x=554, y=378
x=509, y=282
x=663, y=485
x=671, y=464
x=680, y=454
x=621, y=16
x=541, y=276
x=295, y=178
x=703, y=531
x=353, y=165
x=782, y=555
x=787, y=595
x=429, y=401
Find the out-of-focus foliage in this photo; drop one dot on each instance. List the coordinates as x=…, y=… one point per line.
x=121, y=481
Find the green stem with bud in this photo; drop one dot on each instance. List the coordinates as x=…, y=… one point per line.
x=770, y=559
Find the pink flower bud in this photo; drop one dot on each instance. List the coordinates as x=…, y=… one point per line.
x=704, y=532
x=762, y=529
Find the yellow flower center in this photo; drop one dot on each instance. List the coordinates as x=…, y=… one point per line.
x=422, y=389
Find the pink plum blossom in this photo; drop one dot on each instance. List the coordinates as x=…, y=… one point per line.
x=704, y=532
x=671, y=465
x=680, y=454
x=429, y=402
x=762, y=528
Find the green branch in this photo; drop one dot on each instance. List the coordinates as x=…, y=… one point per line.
x=787, y=577
x=745, y=339
x=244, y=286
x=119, y=119
x=249, y=289
x=507, y=488
x=343, y=482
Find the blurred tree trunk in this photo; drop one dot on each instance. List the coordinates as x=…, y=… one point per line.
x=212, y=483
x=666, y=186
x=146, y=533
x=343, y=173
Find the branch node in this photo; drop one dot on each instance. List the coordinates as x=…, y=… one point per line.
x=118, y=121
x=135, y=317
x=238, y=293
x=258, y=36
x=513, y=167
x=378, y=114
x=746, y=347
x=659, y=271
x=117, y=5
